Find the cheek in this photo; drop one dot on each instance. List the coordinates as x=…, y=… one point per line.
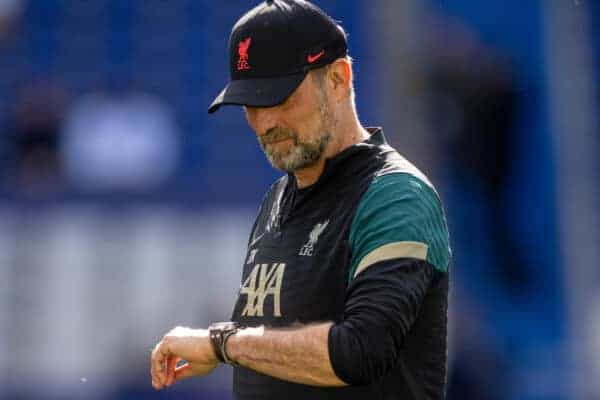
x=308, y=121
x=313, y=126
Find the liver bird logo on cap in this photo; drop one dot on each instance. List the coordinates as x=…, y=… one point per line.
x=243, y=47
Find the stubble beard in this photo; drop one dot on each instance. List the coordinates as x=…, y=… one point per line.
x=302, y=154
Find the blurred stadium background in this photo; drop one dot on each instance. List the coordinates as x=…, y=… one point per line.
x=124, y=209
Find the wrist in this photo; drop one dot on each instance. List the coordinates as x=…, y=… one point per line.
x=219, y=334
x=236, y=343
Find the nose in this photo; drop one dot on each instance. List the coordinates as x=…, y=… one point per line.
x=261, y=119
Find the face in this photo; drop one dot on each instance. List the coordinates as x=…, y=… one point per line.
x=294, y=135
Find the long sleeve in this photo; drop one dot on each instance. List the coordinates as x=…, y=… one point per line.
x=399, y=243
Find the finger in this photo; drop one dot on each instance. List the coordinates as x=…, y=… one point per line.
x=171, y=364
x=156, y=383
x=183, y=372
x=155, y=365
x=153, y=369
x=159, y=356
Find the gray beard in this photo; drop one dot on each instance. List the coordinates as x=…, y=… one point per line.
x=301, y=155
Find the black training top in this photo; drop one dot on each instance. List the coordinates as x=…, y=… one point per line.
x=366, y=246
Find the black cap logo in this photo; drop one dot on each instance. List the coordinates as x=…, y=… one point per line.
x=243, y=47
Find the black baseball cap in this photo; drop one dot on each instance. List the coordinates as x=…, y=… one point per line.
x=272, y=48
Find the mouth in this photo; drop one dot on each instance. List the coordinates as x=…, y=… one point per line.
x=280, y=140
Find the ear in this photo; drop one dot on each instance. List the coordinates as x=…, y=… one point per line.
x=340, y=78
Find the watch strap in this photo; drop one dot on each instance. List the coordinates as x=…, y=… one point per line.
x=215, y=340
x=224, y=355
x=219, y=333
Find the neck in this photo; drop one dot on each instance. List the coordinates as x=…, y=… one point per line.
x=343, y=136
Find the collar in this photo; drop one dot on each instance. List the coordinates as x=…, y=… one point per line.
x=343, y=160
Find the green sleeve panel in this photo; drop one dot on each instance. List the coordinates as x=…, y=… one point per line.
x=399, y=216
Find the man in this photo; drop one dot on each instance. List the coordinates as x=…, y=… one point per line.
x=344, y=287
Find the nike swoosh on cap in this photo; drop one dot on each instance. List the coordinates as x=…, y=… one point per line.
x=312, y=59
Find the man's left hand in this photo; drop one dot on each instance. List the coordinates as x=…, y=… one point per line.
x=191, y=345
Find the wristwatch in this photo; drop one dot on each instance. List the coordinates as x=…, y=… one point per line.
x=219, y=332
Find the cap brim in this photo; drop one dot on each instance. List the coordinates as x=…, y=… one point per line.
x=258, y=92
